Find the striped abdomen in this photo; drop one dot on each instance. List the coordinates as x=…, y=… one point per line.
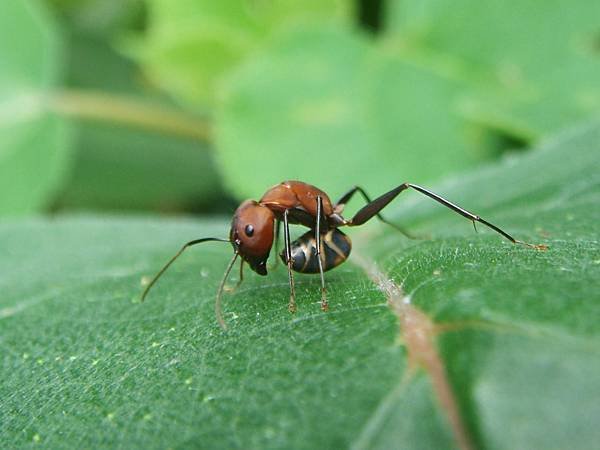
x=336, y=248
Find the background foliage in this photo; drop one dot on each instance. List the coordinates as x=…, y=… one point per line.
x=178, y=105
x=189, y=106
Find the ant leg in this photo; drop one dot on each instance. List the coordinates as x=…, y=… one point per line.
x=381, y=202
x=288, y=259
x=237, y=285
x=339, y=207
x=218, y=310
x=324, y=305
x=241, y=273
x=277, y=233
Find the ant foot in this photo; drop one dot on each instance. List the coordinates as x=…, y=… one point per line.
x=540, y=247
x=233, y=288
x=324, y=304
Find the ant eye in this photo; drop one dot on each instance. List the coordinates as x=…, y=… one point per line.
x=249, y=230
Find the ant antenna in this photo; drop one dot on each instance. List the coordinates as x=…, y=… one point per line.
x=166, y=266
x=218, y=311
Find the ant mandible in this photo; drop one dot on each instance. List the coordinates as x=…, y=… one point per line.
x=321, y=248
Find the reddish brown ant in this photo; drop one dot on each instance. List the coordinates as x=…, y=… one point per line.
x=321, y=248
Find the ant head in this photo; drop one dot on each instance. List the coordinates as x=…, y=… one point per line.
x=252, y=234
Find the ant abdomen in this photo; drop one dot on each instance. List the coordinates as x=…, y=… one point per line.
x=336, y=247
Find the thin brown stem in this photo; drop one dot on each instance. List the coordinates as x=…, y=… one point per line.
x=116, y=108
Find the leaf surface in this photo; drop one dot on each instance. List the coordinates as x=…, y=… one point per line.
x=509, y=333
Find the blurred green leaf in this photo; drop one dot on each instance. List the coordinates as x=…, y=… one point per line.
x=443, y=88
x=119, y=74
x=303, y=120
x=515, y=330
x=191, y=44
x=321, y=101
x=539, y=63
x=34, y=144
x=118, y=166
x=100, y=17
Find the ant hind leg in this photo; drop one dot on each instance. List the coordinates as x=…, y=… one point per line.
x=373, y=208
x=341, y=203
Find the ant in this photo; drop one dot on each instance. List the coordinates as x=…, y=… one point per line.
x=320, y=249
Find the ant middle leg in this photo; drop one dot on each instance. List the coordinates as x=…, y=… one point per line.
x=288, y=260
x=324, y=304
x=373, y=208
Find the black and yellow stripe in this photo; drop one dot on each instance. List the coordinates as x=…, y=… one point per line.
x=336, y=247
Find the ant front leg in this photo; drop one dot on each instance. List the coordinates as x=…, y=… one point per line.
x=324, y=304
x=274, y=265
x=239, y=282
x=381, y=202
x=288, y=259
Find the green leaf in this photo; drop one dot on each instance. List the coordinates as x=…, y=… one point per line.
x=497, y=345
x=351, y=101
x=539, y=61
x=190, y=44
x=34, y=143
x=100, y=16
x=117, y=166
x=298, y=93
x=288, y=124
